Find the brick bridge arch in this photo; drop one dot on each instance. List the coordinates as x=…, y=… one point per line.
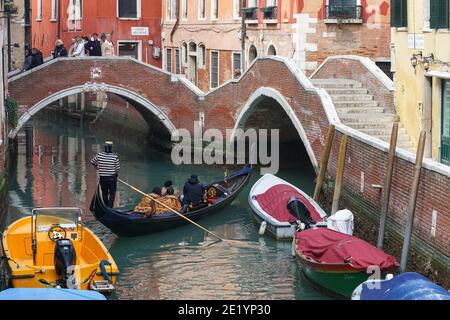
x=170, y=102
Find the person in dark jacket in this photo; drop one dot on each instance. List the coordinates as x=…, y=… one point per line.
x=60, y=50
x=94, y=46
x=193, y=191
x=37, y=58
x=28, y=60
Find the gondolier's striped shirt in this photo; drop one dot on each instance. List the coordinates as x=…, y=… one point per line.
x=107, y=164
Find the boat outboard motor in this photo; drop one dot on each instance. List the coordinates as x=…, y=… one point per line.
x=299, y=210
x=65, y=259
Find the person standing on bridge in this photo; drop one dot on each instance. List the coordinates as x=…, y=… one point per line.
x=94, y=46
x=60, y=50
x=107, y=46
x=79, y=50
x=108, y=166
x=37, y=58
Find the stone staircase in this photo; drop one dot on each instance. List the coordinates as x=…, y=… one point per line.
x=358, y=109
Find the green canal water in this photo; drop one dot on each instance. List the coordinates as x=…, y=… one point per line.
x=51, y=168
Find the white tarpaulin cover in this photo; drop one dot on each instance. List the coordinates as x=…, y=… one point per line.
x=341, y=221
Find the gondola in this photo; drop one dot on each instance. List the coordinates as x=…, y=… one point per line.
x=221, y=194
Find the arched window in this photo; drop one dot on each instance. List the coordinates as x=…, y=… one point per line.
x=252, y=54
x=184, y=52
x=271, y=51
x=201, y=54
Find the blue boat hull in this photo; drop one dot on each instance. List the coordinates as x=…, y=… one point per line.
x=49, y=294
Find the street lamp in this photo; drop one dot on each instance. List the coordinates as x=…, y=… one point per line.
x=415, y=59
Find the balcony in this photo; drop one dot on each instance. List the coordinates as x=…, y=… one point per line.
x=250, y=15
x=343, y=14
x=270, y=14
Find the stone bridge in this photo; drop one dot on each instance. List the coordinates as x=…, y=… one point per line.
x=272, y=93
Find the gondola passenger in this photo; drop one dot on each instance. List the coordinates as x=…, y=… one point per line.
x=149, y=207
x=193, y=192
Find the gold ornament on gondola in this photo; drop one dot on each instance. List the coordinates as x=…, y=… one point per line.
x=212, y=192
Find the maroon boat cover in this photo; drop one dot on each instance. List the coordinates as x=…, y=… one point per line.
x=274, y=201
x=329, y=246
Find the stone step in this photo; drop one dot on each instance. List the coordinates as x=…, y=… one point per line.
x=356, y=104
x=335, y=91
x=344, y=110
x=384, y=129
x=374, y=125
x=351, y=97
x=336, y=83
x=368, y=117
x=387, y=138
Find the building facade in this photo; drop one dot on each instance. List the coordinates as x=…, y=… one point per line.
x=306, y=31
x=20, y=32
x=421, y=58
x=201, y=39
x=135, y=25
x=310, y=31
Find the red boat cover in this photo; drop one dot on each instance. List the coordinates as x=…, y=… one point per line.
x=274, y=201
x=329, y=246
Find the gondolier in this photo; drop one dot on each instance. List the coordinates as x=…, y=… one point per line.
x=108, y=166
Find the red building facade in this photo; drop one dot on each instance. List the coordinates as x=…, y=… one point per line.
x=135, y=25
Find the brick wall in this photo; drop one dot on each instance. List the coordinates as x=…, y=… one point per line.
x=353, y=68
x=222, y=108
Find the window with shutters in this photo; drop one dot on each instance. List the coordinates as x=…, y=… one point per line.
x=214, y=69
x=54, y=10
x=185, y=9
x=399, y=13
x=214, y=9
x=129, y=9
x=172, y=9
x=201, y=55
x=39, y=10
x=439, y=15
x=169, y=60
x=201, y=9
x=445, y=125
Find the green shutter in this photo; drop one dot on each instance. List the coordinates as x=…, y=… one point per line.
x=439, y=14
x=399, y=13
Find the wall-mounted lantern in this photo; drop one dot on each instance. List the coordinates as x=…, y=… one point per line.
x=427, y=61
x=415, y=59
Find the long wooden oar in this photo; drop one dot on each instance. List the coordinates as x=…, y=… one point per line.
x=172, y=210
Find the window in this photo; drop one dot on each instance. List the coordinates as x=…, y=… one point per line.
x=185, y=9
x=343, y=9
x=169, y=60
x=76, y=9
x=252, y=3
x=439, y=14
x=201, y=55
x=39, y=10
x=271, y=51
x=214, y=69
x=129, y=9
x=445, y=124
x=54, y=10
x=130, y=49
x=252, y=54
x=172, y=9
x=399, y=13
x=237, y=13
x=184, y=52
x=214, y=9
x=201, y=9
x=177, y=61
x=237, y=65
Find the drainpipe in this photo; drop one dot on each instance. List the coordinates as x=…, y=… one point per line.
x=59, y=18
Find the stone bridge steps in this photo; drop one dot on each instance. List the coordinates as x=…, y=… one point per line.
x=358, y=109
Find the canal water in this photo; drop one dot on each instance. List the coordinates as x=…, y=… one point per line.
x=52, y=169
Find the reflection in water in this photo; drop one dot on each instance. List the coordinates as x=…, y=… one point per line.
x=52, y=168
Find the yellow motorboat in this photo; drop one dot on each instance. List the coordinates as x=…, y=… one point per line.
x=52, y=248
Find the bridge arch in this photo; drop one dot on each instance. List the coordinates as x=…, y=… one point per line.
x=265, y=95
x=95, y=87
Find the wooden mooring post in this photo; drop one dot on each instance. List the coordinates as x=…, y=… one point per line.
x=412, y=201
x=324, y=162
x=387, y=185
x=339, y=174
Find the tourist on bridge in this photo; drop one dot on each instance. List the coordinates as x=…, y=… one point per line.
x=37, y=58
x=28, y=60
x=107, y=46
x=79, y=50
x=193, y=192
x=60, y=50
x=108, y=166
x=94, y=46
